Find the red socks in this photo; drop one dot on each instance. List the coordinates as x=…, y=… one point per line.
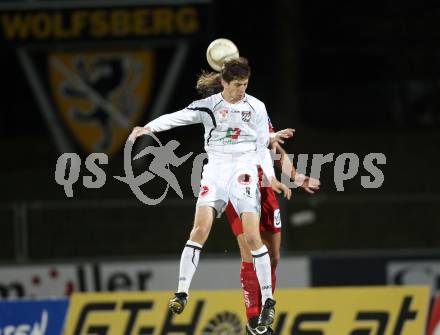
x=251, y=289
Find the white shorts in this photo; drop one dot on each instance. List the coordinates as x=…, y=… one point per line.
x=226, y=180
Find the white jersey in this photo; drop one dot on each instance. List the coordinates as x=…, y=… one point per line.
x=240, y=128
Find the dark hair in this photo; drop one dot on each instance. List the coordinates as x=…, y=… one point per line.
x=209, y=83
x=236, y=69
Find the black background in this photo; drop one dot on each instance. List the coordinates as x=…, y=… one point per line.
x=355, y=77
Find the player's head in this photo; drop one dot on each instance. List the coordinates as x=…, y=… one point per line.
x=236, y=69
x=235, y=77
x=209, y=83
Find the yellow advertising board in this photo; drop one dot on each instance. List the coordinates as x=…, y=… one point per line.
x=319, y=311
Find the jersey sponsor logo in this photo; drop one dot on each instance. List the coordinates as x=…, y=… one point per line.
x=101, y=95
x=232, y=135
x=246, y=116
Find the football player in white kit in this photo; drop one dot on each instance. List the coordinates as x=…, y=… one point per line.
x=236, y=140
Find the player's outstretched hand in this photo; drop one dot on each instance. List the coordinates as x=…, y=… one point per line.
x=138, y=131
x=281, y=135
x=308, y=184
x=280, y=188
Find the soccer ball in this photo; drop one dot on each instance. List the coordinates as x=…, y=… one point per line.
x=219, y=51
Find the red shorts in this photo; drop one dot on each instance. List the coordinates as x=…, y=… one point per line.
x=270, y=219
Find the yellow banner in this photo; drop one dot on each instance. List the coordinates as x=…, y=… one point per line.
x=323, y=311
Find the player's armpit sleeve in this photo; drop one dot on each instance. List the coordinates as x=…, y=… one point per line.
x=262, y=143
x=266, y=163
x=180, y=118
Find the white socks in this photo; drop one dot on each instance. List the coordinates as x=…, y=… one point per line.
x=190, y=259
x=262, y=268
x=188, y=264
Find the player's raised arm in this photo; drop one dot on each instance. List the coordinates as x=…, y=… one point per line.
x=138, y=131
x=281, y=135
x=308, y=184
x=168, y=121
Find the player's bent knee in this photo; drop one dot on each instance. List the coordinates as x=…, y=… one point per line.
x=200, y=232
x=253, y=241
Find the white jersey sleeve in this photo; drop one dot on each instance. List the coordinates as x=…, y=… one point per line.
x=183, y=117
x=263, y=142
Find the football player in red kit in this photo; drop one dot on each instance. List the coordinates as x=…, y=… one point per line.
x=270, y=229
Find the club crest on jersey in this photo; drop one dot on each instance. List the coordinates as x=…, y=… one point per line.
x=223, y=115
x=101, y=95
x=246, y=116
x=204, y=190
